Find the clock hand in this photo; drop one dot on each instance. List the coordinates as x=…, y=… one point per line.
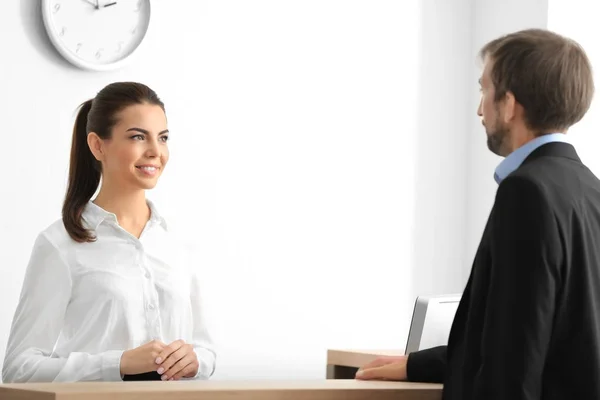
x=110, y=4
x=95, y=4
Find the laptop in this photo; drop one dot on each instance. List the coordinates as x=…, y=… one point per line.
x=431, y=321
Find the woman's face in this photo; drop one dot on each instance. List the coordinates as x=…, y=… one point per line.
x=136, y=154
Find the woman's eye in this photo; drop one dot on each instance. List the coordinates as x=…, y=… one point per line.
x=138, y=137
x=164, y=138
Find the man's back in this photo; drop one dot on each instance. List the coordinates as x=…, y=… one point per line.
x=531, y=309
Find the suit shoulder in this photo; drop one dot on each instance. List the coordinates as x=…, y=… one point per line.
x=566, y=184
x=535, y=171
x=559, y=171
x=522, y=186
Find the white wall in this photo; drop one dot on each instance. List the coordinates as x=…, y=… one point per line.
x=578, y=20
x=441, y=157
x=321, y=158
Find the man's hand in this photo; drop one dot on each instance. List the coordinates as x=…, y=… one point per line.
x=177, y=360
x=384, y=368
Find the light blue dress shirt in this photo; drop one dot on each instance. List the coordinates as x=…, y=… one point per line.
x=516, y=158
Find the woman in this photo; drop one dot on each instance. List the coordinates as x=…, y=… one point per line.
x=107, y=295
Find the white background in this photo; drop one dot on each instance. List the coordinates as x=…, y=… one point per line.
x=575, y=18
x=327, y=160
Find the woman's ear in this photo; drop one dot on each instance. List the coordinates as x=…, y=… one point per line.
x=96, y=145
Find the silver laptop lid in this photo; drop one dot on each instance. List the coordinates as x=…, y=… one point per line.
x=431, y=321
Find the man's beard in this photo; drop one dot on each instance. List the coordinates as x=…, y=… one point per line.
x=496, y=138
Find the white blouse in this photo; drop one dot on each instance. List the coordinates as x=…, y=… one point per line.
x=83, y=304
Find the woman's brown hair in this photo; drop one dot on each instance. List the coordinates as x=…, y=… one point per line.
x=98, y=115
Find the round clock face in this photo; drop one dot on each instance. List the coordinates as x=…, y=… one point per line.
x=96, y=34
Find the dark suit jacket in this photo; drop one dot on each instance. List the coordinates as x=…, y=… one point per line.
x=528, y=324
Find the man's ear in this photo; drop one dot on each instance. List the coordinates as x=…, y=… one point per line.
x=96, y=145
x=510, y=107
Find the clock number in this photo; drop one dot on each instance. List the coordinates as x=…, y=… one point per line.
x=99, y=54
x=134, y=30
x=62, y=31
x=139, y=6
x=56, y=7
x=78, y=47
x=119, y=47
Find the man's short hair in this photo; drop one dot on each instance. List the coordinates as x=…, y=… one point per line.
x=549, y=75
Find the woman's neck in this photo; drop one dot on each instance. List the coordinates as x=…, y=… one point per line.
x=131, y=209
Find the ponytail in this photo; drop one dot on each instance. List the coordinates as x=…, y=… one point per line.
x=84, y=178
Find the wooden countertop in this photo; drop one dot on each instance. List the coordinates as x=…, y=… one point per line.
x=357, y=358
x=224, y=390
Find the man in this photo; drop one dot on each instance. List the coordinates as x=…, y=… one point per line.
x=528, y=324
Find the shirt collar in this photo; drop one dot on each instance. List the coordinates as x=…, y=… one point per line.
x=516, y=158
x=94, y=215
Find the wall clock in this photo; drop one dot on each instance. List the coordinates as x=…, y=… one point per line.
x=98, y=35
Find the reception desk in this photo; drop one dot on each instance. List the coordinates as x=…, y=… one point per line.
x=223, y=390
x=343, y=364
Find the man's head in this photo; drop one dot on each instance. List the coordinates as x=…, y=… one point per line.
x=534, y=82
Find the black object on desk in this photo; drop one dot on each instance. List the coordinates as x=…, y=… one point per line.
x=147, y=376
